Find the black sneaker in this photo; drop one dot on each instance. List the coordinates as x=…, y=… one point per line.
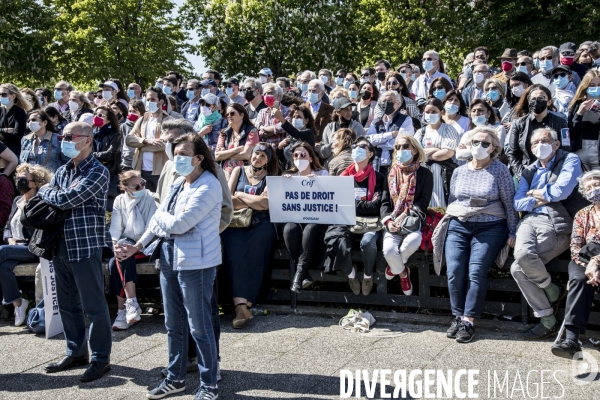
x=166, y=388
x=207, y=394
x=465, y=333
x=451, y=332
x=567, y=349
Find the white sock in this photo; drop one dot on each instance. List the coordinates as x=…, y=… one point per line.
x=352, y=274
x=133, y=300
x=367, y=276
x=466, y=320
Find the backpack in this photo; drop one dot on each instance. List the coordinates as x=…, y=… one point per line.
x=432, y=219
x=36, y=319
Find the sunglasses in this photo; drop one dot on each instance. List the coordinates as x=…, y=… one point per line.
x=427, y=59
x=546, y=58
x=139, y=186
x=403, y=146
x=69, y=137
x=393, y=83
x=560, y=74
x=522, y=64
x=483, y=144
x=361, y=145
x=4, y=94
x=438, y=88
x=231, y=114
x=567, y=54
x=249, y=90
x=100, y=115
x=98, y=96
x=365, y=75
x=301, y=154
x=403, y=71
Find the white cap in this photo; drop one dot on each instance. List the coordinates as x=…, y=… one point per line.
x=88, y=118
x=111, y=84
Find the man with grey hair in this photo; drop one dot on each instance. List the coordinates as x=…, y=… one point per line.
x=62, y=91
x=252, y=90
x=547, y=198
x=549, y=58
x=321, y=111
x=303, y=81
x=431, y=65
x=173, y=129
x=269, y=127
x=81, y=185
x=190, y=108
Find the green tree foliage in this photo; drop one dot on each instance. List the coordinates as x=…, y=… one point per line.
x=132, y=40
x=24, y=26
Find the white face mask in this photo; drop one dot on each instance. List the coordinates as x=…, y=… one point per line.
x=34, y=126
x=262, y=79
x=302, y=165
x=169, y=150
x=542, y=151
x=73, y=106
x=324, y=79
x=479, y=152
x=518, y=90
x=206, y=111
x=107, y=95
x=478, y=77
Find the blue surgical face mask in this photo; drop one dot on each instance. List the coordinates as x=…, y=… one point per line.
x=346, y=84
x=204, y=92
x=313, y=98
x=298, y=85
x=561, y=82
x=353, y=94
x=159, y=85
x=412, y=77
x=451, y=108
x=183, y=165
x=536, y=63
x=168, y=90
x=432, y=118
x=428, y=65
x=58, y=95
x=152, y=106
x=139, y=194
x=190, y=94
x=339, y=81
x=404, y=156
x=68, y=149
x=304, y=87
x=298, y=123
x=229, y=91
x=359, y=154
x=523, y=69
x=403, y=76
x=479, y=120
x=130, y=93
x=593, y=92
x=439, y=93
x=492, y=95
x=546, y=65
x=4, y=101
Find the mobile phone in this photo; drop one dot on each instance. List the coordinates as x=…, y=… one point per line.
x=276, y=104
x=596, y=106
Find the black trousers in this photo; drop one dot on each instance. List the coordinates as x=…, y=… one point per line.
x=151, y=180
x=305, y=242
x=579, y=298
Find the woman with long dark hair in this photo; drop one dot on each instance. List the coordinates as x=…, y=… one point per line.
x=107, y=147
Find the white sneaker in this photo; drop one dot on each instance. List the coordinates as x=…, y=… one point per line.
x=133, y=311
x=121, y=321
x=21, y=312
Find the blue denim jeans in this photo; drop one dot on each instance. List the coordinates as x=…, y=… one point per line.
x=187, y=297
x=79, y=286
x=10, y=256
x=368, y=251
x=471, y=249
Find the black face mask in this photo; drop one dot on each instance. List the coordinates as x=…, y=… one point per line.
x=365, y=95
x=381, y=76
x=248, y=95
x=23, y=185
x=538, y=106
x=259, y=169
x=389, y=107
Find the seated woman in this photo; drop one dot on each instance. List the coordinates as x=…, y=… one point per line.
x=131, y=215
x=455, y=112
x=57, y=119
x=584, y=269
x=28, y=178
x=482, y=114
x=410, y=187
x=368, y=189
x=247, y=250
x=302, y=129
x=482, y=220
x=341, y=150
x=41, y=146
x=304, y=241
x=340, y=119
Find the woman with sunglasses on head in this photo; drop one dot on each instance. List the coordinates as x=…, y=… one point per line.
x=247, y=250
x=78, y=105
x=28, y=179
x=13, y=116
x=368, y=95
x=455, y=112
x=132, y=211
x=584, y=120
x=533, y=112
x=410, y=188
x=368, y=191
x=236, y=142
x=480, y=221
x=304, y=241
x=107, y=147
x=42, y=145
x=394, y=81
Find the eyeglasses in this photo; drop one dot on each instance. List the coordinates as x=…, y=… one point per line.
x=231, y=114
x=546, y=58
x=522, y=64
x=393, y=83
x=4, y=94
x=403, y=146
x=361, y=145
x=483, y=144
x=98, y=96
x=70, y=137
x=139, y=186
x=301, y=154
x=560, y=74
x=365, y=75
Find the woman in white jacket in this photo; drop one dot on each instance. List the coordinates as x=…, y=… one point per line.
x=187, y=224
x=131, y=214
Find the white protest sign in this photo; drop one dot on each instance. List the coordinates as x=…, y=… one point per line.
x=53, y=320
x=316, y=200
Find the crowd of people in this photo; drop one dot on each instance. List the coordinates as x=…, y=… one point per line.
x=510, y=154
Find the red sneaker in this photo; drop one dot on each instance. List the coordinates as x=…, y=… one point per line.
x=405, y=284
x=388, y=273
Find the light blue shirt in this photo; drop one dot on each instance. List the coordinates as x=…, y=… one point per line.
x=552, y=192
x=192, y=111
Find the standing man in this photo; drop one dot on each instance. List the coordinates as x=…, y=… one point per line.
x=62, y=91
x=190, y=108
x=431, y=65
x=134, y=92
x=481, y=73
x=265, y=76
x=81, y=185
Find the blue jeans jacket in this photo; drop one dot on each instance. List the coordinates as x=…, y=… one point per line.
x=28, y=154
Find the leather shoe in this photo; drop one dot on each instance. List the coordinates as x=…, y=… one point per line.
x=67, y=363
x=95, y=371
